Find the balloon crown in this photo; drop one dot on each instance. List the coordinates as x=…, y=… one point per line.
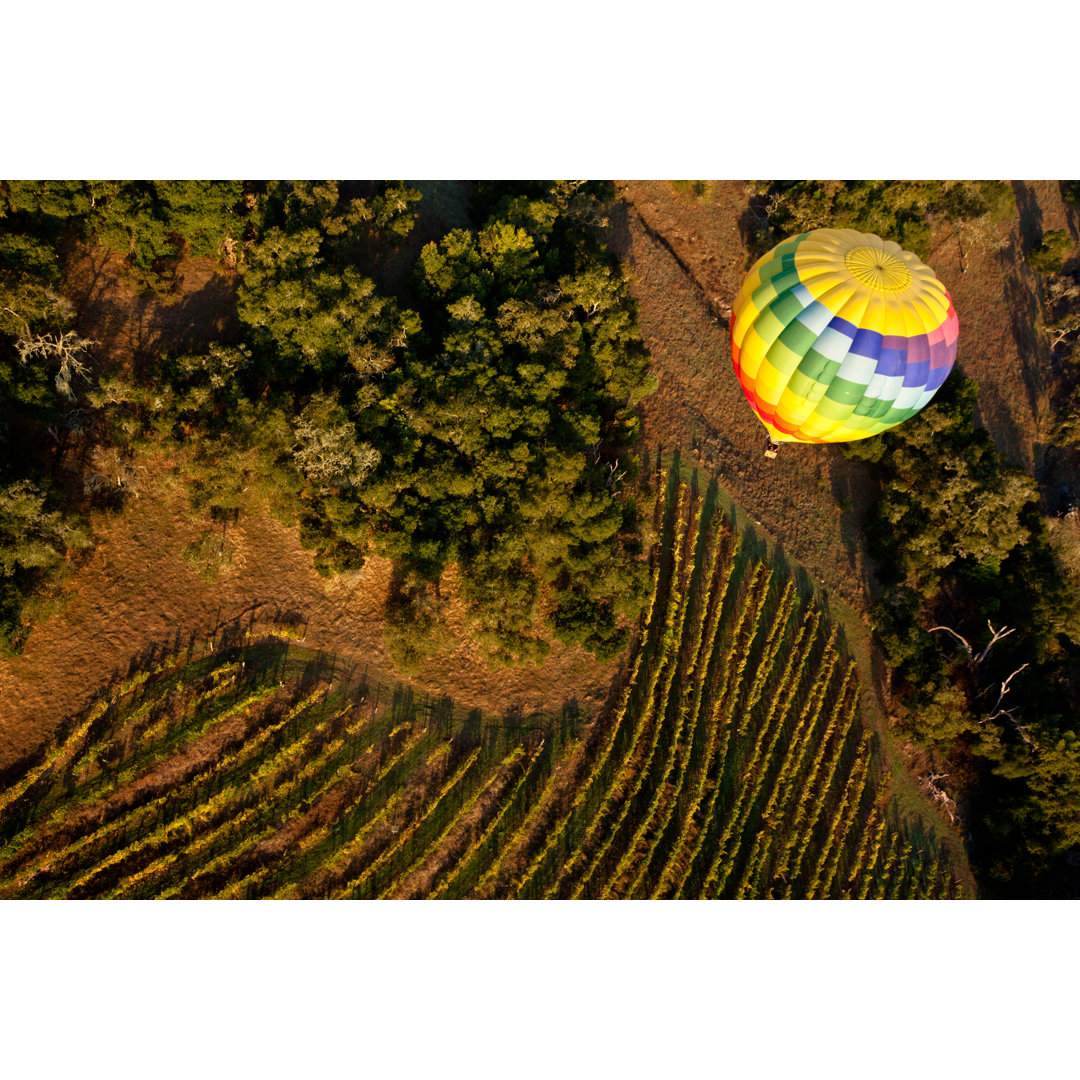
x=875, y=267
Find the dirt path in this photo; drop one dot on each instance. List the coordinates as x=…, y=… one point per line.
x=686, y=270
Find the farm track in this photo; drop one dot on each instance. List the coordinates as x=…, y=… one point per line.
x=731, y=764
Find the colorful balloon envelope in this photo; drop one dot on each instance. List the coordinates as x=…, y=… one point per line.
x=840, y=335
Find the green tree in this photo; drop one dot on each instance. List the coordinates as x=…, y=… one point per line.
x=503, y=431
x=415, y=628
x=962, y=542
x=901, y=210
x=34, y=539
x=152, y=223
x=311, y=315
x=309, y=310
x=1048, y=256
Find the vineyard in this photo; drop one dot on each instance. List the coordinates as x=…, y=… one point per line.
x=732, y=763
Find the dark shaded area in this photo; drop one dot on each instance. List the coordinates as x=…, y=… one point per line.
x=1070, y=194
x=754, y=229
x=1023, y=306
x=1027, y=206
x=444, y=205
x=854, y=487
x=151, y=327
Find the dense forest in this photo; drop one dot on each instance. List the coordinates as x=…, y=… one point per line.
x=477, y=420
x=478, y=409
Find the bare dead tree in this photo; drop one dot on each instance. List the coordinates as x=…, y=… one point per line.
x=1004, y=632
x=941, y=797
x=1058, y=334
x=113, y=470
x=996, y=636
x=997, y=712
x=1060, y=292
x=66, y=350
x=614, y=476
x=963, y=640
x=1005, y=684
x=551, y=295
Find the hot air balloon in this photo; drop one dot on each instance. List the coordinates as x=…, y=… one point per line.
x=839, y=335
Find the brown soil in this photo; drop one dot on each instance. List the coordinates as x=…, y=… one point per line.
x=129, y=324
x=136, y=591
x=688, y=259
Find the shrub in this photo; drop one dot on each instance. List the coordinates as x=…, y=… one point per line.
x=1048, y=257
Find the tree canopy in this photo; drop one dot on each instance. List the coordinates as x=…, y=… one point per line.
x=965, y=552
x=899, y=210
x=493, y=440
x=486, y=422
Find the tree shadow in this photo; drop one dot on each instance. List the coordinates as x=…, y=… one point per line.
x=444, y=205
x=101, y=273
x=854, y=490
x=1023, y=306
x=992, y=412
x=187, y=325
x=753, y=546
x=754, y=230
x=619, y=240
x=1072, y=215
x=1059, y=479
x=805, y=587
x=1027, y=206
x=206, y=315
